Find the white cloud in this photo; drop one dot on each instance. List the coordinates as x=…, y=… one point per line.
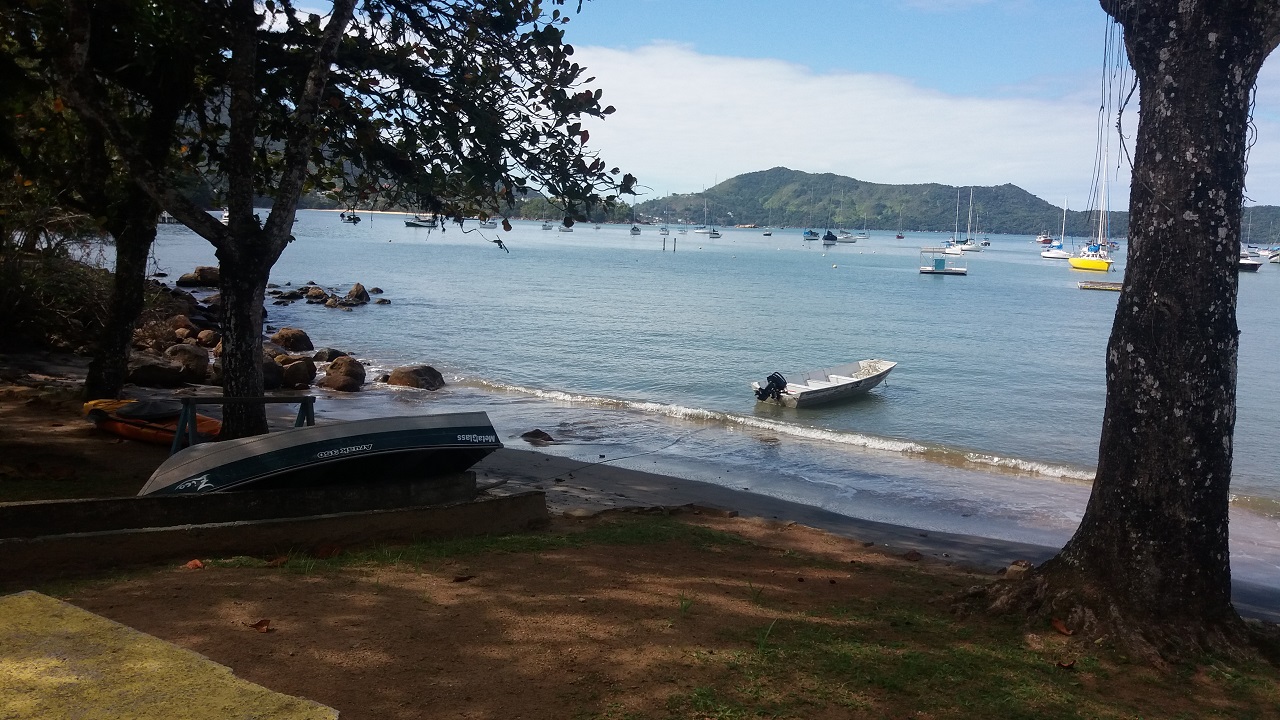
x=686, y=120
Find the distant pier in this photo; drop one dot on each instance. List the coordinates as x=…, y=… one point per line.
x=1099, y=285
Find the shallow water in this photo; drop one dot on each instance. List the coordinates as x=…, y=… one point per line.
x=989, y=425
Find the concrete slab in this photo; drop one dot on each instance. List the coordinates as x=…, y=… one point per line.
x=58, y=661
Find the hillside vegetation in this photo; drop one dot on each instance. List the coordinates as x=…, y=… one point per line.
x=783, y=197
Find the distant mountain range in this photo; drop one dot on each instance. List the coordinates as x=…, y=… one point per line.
x=791, y=198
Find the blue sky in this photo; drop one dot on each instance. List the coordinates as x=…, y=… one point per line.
x=963, y=92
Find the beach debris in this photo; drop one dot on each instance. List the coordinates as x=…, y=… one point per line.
x=194, y=565
x=1067, y=664
x=913, y=555
x=1061, y=627
x=262, y=626
x=537, y=436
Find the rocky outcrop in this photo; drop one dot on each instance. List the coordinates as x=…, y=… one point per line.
x=344, y=374
x=537, y=437
x=327, y=355
x=209, y=338
x=193, y=359
x=299, y=371
x=357, y=294
x=203, y=276
x=315, y=294
x=151, y=371
x=293, y=339
x=417, y=376
x=382, y=301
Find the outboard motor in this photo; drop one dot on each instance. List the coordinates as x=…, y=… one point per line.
x=773, y=389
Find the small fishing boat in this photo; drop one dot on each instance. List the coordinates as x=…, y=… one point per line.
x=546, y=224
x=564, y=228
x=488, y=224
x=810, y=234
x=359, y=451
x=829, y=238
x=1249, y=262
x=417, y=221
x=827, y=385
x=635, y=229
x=1092, y=257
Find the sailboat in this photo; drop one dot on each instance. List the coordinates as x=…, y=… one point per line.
x=900, y=236
x=1055, y=250
x=969, y=244
x=862, y=234
x=953, y=245
x=635, y=229
x=1095, y=256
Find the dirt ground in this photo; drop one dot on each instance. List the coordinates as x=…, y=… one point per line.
x=584, y=631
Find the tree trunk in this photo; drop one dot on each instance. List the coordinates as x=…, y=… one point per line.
x=243, y=287
x=1150, y=562
x=109, y=368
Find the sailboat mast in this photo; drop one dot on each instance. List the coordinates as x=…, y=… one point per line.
x=956, y=235
x=1063, y=239
x=968, y=230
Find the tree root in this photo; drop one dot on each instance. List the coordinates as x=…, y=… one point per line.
x=1051, y=598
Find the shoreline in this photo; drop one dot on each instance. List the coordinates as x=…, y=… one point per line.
x=576, y=488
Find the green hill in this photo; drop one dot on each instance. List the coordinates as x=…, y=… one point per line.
x=791, y=198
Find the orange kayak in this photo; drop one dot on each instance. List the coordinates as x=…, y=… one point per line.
x=146, y=421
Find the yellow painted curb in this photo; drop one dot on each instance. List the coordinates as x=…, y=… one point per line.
x=58, y=661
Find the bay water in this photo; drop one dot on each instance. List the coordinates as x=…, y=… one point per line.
x=638, y=351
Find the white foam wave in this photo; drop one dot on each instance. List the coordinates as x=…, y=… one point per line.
x=1032, y=467
x=869, y=442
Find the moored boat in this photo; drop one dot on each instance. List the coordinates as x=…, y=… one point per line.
x=149, y=421
x=818, y=387
x=359, y=451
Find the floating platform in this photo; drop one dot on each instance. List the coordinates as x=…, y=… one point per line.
x=1099, y=285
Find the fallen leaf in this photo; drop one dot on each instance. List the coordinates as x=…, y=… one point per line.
x=324, y=552
x=194, y=565
x=277, y=562
x=262, y=626
x=1067, y=664
x=1061, y=627
x=463, y=578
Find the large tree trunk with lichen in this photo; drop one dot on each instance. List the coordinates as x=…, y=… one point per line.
x=110, y=366
x=1150, y=560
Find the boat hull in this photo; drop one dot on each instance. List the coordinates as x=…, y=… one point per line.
x=356, y=452
x=1084, y=263
x=845, y=382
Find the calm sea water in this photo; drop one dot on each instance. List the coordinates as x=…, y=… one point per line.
x=989, y=425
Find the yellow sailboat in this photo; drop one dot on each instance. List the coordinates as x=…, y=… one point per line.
x=1095, y=256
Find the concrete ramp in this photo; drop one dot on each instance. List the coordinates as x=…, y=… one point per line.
x=58, y=661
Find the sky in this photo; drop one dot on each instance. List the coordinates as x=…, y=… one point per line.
x=959, y=92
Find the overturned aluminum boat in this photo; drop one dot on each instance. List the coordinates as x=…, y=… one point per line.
x=359, y=451
x=818, y=387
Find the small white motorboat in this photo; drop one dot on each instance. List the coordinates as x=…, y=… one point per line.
x=818, y=387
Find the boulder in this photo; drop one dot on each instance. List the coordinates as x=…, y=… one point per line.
x=209, y=338
x=290, y=295
x=213, y=304
x=345, y=374
x=357, y=294
x=193, y=359
x=316, y=293
x=538, y=437
x=298, y=374
x=332, y=302
x=292, y=339
x=417, y=376
x=272, y=375
x=182, y=333
x=180, y=322
x=203, y=276
x=375, y=291
x=327, y=355
x=151, y=371
x=382, y=301
x=271, y=350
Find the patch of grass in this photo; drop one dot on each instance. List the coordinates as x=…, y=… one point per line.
x=686, y=603
x=640, y=530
